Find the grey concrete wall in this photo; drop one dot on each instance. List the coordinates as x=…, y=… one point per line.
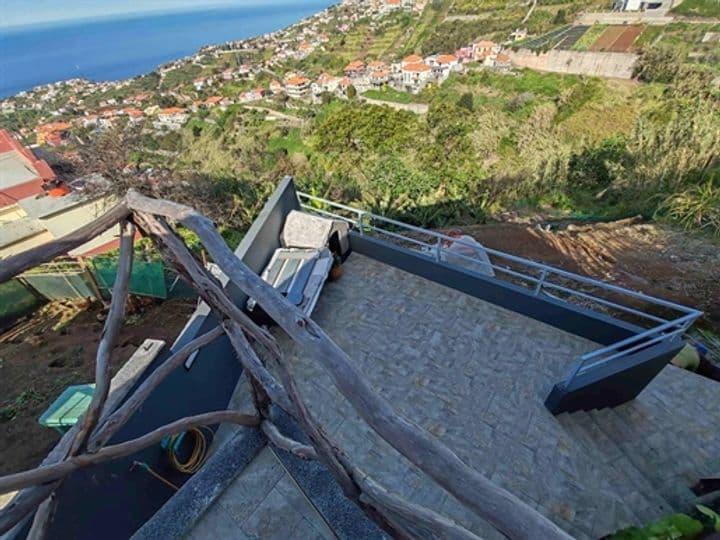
x=625, y=17
x=601, y=64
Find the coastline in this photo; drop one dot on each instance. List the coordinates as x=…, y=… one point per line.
x=258, y=16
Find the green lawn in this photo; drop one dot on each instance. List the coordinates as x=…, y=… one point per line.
x=390, y=94
x=698, y=8
x=649, y=36
x=292, y=143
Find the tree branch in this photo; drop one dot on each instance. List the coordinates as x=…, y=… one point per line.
x=60, y=470
x=108, y=338
x=17, y=264
x=502, y=509
x=296, y=448
x=116, y=420
x=211, y=292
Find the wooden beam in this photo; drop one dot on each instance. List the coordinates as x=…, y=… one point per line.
x=60, y=470
x=224, y=309
x=119, y=418
x=108, y=338
x=502, y=509
x=296, y=448
x=12, y=266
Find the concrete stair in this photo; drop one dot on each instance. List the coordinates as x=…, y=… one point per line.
x=596, y=431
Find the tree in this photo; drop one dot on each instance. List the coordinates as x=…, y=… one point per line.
x=560, y=17
x=466, y=101
x=167, y=100
x=351, y=92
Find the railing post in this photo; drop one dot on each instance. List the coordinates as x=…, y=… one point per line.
x=438, y=250
x=575, y=370
x=538, y=287
x=360, y=223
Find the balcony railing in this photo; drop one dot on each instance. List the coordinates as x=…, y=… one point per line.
x=664, y=320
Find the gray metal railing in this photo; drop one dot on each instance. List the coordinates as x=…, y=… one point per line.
x=538, y=278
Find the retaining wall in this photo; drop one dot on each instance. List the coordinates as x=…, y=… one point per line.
x=601, y=64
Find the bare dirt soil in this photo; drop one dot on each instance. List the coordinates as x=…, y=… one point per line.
x=651, y=258
x=56, y=348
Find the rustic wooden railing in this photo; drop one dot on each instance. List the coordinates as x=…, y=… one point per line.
x=86, y=443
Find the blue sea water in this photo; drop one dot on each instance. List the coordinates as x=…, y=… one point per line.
x=118, y=48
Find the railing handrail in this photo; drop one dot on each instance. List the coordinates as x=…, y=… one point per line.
x=602, y=355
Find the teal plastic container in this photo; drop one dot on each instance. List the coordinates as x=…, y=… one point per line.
x=65, y=411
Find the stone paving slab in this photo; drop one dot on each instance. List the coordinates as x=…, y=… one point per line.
x=473, y=374
x=263, y=503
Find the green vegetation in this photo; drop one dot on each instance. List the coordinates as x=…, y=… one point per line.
x=589, y=37
x=649, y=36
x=291, y=143
x=698, y=8
x=390, y=94
x=674, y=527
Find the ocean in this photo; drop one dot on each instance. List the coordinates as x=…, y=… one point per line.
x=118, y=48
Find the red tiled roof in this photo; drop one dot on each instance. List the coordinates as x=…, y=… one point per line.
x=43, y=172
x=9, y=196
x=446, y=58
x=132, y=111
x=171, y=110
x=355, y=65
x=418, y=67
x=213, y=99
x=297, y=81
x=412, y=59
x=501, y=57
x=485, y=44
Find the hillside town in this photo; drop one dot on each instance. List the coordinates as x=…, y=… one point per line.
x=93, y=106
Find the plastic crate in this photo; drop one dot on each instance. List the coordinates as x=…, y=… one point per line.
x=65, y=411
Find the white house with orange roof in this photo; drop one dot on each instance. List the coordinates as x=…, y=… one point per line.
x=356, y=68
x=171, y=118
x=416, y=75
x=297, y=86
x=325, y=83
x=484, y=48
x=412, y=59
x=443, y=64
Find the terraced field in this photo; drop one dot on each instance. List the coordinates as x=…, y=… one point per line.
x=607, y=38
x=572, y=37
x=546, y=41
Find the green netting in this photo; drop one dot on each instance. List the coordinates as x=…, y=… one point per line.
x=147, y=278
x=15, y=300
x=59, y=286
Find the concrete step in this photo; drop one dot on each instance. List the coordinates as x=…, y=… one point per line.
x=620, y=472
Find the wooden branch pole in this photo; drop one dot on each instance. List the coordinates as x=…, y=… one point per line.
x=423, y=521
x=502, y=509
x=17, y=264
x=108, y=338
x=296, y=448
x=224, y=309
x=60, y=470
x=119, y=418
